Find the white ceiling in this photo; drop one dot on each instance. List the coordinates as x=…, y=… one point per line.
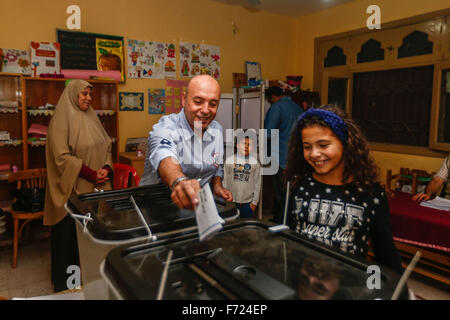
x=293, y=8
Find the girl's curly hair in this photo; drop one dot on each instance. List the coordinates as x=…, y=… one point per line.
x=359, y=167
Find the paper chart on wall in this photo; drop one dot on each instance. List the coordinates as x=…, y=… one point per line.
x=196, y=59
x=151, y=60
x=45, y=58
x=174, y=92
x=156, y=101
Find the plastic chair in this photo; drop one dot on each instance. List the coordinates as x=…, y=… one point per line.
x=32, y=178
x=122, y=176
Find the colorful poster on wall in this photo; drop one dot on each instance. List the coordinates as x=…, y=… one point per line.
x=151, y=60
x=45, y=58
x=196, y=59
x=15, y=61
x=110, y=56
x=174, y=92
x=156, y=101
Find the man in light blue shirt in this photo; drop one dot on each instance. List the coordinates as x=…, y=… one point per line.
x=282, y=115
x=185, y=149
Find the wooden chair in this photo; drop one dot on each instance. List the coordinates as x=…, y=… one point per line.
x=29, y=179
x=414, y=177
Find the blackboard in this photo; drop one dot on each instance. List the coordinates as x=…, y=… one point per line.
x=78, y=49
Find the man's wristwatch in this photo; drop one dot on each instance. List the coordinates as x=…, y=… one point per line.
x=178, y=180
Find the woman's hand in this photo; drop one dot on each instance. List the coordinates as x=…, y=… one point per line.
x=102, y=176
x=253, y=207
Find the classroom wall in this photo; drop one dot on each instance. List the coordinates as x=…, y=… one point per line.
x=351, y=16
x=261, y=37
x=282, y=45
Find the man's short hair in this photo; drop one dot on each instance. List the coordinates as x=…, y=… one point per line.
x=276, y=91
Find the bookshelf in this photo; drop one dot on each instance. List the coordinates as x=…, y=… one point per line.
x=27, y=100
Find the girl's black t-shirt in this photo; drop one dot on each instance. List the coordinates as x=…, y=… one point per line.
x=345, y=217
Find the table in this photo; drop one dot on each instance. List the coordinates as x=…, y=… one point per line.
x=420, y=225
x=416, y=227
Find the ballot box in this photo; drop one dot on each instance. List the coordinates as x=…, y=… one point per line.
x=105, y=220
x=244, y=260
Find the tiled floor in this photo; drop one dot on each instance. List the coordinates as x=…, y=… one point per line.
x=31, y=278
x=32, y=275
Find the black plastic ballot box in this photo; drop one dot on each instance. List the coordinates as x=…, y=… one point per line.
x=108, y=219
x=245, y=260
x=125, y=237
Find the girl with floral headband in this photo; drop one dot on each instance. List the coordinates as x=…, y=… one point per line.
x=335, y=196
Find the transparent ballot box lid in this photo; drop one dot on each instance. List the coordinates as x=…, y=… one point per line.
x=134, y=213
x=242, y=261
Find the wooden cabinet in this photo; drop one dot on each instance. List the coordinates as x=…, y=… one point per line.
x=25, y=100
x=11, y=151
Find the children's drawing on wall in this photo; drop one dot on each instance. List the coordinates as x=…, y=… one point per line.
x=151, y=60
x=196, y=59
x=174, y=92
x=110, y=56
x=156, y=101
x=45, y=58
x=15, y=61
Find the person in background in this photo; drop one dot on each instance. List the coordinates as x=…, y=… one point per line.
x=436, y=183
x=78, y=159
x=336, y=199
x=172, y=157
x=242, y=176
x=281, y=115
x=304, y=103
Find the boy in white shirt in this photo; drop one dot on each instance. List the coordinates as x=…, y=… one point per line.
x=242, y=177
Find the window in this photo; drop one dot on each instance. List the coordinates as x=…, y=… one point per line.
x=337, y=92
x=415, y=44
x=370, y=51
x=394, y=106
x=335, y=57
x=444, y=108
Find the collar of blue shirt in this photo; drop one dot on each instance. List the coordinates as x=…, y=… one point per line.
x=187, y=130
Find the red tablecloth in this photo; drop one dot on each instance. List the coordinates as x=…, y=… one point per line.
x=419, y=225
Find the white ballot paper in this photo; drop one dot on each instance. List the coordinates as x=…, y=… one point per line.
x=208, y=219
x=437, y=203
